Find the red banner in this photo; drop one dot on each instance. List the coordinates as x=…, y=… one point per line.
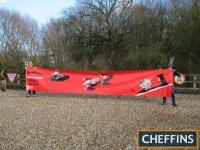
x=134, y=83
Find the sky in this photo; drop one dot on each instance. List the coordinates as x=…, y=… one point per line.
x=40, y=10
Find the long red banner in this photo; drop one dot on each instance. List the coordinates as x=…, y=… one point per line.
x=157, y=82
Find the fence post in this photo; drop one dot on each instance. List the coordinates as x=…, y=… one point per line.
x=18, y=79
x=194, y=82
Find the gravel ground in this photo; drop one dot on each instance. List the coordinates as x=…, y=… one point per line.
x=58, y=121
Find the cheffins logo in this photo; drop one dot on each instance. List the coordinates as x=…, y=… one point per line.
x=168, y=138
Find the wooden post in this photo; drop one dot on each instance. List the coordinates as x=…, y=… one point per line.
x=3, y=85
x=18, y=79
x=194, y=82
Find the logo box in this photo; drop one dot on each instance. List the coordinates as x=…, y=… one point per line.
x=167, y=138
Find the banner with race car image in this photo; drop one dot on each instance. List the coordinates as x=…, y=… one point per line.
x=158, y=82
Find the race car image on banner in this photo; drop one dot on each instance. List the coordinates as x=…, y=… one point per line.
x=156, y=82
x=58, y=76
x=90, y=83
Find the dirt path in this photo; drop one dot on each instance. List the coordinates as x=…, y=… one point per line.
x=87, y=122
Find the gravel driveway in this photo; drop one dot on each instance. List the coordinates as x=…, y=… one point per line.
x=58, y=121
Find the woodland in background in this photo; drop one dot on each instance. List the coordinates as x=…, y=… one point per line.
x=106, y=35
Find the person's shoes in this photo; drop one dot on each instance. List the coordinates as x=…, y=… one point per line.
x=28, y=95
x=34, y=95
x=174, y=105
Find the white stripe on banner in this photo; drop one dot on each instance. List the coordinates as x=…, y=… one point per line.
x=154, y=89
x=30, y=77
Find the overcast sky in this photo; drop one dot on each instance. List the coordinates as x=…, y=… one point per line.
x=41, y=10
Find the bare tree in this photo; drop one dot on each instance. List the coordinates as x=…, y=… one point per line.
x=18, y=38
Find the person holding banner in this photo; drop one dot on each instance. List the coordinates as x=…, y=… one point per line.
x=175, y=75
x=31, y=92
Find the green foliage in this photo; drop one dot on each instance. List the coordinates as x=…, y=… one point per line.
x=109, y=35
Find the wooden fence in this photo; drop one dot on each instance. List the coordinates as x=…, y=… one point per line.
x=191, y=85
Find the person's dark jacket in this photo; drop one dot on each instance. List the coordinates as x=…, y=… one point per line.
x=176, y=73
